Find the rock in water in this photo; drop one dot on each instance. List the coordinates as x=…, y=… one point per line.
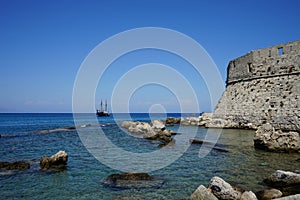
x=158, y=125
x=57, y=161
x=19, y=165
x=270, y=194
x=222, y=189
x=130, y=180
x=292, y=197
x=268, y=139
x=127, y=124
x=170, y=121
x=248, y=195
x=283, y=178
x=202, y=193
x=156, y=130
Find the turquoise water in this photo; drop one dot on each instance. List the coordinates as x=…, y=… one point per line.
x=242, y=165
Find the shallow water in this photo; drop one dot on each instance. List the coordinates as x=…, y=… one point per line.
x=242, y=165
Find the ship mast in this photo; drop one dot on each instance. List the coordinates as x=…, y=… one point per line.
x=105, y=105
x=101, y=106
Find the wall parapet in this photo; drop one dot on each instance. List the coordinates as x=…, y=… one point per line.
x=279, y=60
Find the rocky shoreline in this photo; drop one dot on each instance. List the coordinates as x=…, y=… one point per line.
x=265, y=138
x=218, y=189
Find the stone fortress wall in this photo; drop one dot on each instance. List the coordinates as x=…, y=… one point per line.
x=263, y=86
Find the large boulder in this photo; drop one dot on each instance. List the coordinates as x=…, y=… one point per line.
x=56, y=161
x=268, y=139
x=202, y=193
x=223, y=190
x=282, y=179
x=19, y=165
x=130, y=180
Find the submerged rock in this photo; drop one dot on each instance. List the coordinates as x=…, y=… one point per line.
x=19, y=165
x=209, y=144
x=70, y=128
x=267, y=138
x=129, y=198
x=282, y=179
x=57, y=161
x=130, y=180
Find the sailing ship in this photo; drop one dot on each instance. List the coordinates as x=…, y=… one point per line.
x=101, y=112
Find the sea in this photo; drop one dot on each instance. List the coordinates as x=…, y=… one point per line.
x=29, y=136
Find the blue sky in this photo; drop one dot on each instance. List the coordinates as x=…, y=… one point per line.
x=43, y=43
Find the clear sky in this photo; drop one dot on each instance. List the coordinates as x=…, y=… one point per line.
x=44, y=42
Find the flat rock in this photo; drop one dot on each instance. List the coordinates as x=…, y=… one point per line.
x=270, y=194
x=129, y=180
x=70, y=128
x=282, y=179
x=19, y=165
x=217, y=147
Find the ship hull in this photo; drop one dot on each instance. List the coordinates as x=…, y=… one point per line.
x=102, y=113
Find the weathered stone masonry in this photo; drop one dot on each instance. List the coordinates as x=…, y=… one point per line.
x=263, y=86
